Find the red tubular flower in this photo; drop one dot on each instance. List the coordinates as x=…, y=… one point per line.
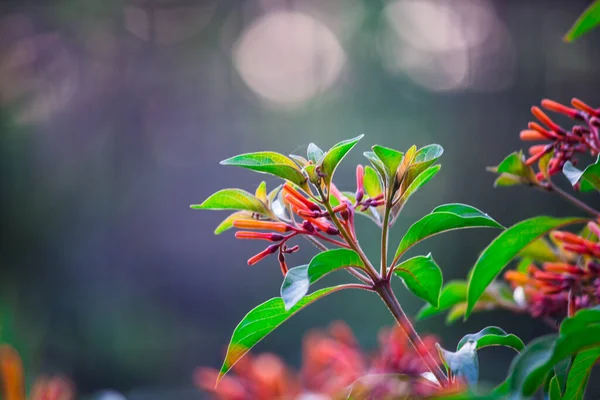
x=307, y=204
x=563, y=268
x=272, y=237
x=531, y=135
x=517, y=278
x=539, y=114
x=266, y=252
x=266, y=225
x=580, y=105
x=324, y=226
x=567, y=237
x=360, y=187
x=594, y=228
x=561, y=109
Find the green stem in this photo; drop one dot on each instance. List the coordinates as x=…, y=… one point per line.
x=387, y=295
x=371, y=271
x=384, y=240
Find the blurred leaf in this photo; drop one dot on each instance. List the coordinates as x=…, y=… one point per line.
x=453, y=293
x=407, y=161
x=513, y=171
x=442, y=219
x=301, y=161
x=463, y=364
x=261, y=192
x=419, y=181
x=261, y=321
x=423, y=277
x=505, y=247
x=586, y=22
x=298, y=280
x=561, y=371
x=539, y=250
x=232, y=199
x=332, y=158
x=544, y=163
x=578, y=333
x=492, y=336
x=269, y=162
x=588, y=179
x=579, y=373
x=314, y=153
x=524, y=264
x=390, y=158
x=228, y=222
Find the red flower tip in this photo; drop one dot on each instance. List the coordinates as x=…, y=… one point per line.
x=559, y=108
x=562, y=268
x=282, y=264
x=548, y=276
x=567, y=237
x=360, y=186
x=266, y=252
x=536, y=156
x=531, y=135
x=537, y=127
x=324, y=226
x=538, y=148
x=273, y=237
x=580, y=105
x=516, y=278
x=594, y=228
x=266, y=225
x=539, y=114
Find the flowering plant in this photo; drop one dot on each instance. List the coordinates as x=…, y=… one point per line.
x=309, y=205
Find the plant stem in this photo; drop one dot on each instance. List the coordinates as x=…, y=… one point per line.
x=384, y=240
x=387, y=295
x=348, y=238
x=573, y=200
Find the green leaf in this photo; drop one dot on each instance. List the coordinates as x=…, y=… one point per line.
x=577, y=334
x=376, y=163
x=419, y=181
x=390, y=158
x=579, y=373
x=586, y=22
x=561, y=371
x=539, y=250
x=269, y=162
x=261, y=321
x=301, y=161
x=463, y=363
x=423, y=277
x=332, y=158
x=453, y=293
x=554, y=391
x=372, y=183
x=298, y=280
x=589, y=179
x=442, y=219
x=314, y=153
x=261, y=192
x=513, y=170
x=228, y=222
x=232, y=199
x=492, y=336
x=505, y=247
x=427, y=155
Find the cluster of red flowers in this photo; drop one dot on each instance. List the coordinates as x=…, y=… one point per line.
x=333, y=366
x=564, y=144
x=315, y=220
x=559, y=289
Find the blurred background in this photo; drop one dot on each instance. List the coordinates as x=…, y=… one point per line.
x=114, y=115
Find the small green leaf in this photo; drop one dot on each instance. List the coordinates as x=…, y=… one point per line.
x=513, y=170
x=586, y=22
x=423, y=277
x=376, y=163
x=261, y=192
x=442, y=219
x=390, y=158
x=261, y=321
x=314, y=153
x=298, y=280
x=589, y=179
x=554, y=391
x=427, y=155
x=505, y=247
x=453, y=293
x=332, y=158
x=544, y=164
x=463, y=364
x=301, y=161
x=419, y=181
x=492, y=336
x=228, y=222
x=232, y=199
x=579, y=373
x=269, y=162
